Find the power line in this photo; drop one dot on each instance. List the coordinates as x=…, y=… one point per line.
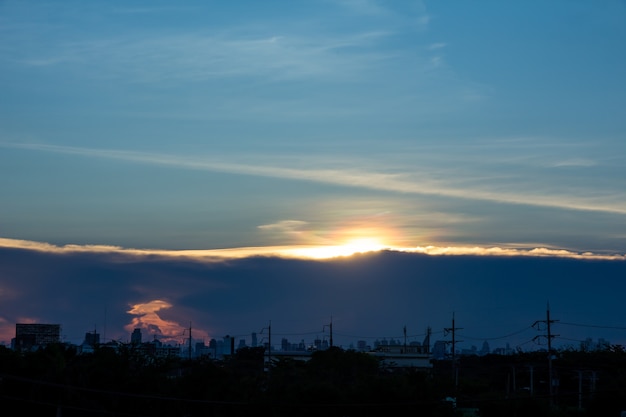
x=499, y=337
x=571, y=340
x=296, y=334
x=593, y=325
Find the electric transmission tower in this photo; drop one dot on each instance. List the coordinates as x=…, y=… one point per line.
x=548, y=336
x=453, y=342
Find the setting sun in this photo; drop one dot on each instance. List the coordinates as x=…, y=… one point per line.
x=350, y=247
x=363, y=245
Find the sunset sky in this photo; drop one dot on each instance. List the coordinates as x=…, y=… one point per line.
x=199, y=130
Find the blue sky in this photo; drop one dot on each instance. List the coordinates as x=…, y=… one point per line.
x=428, y=126
x=149, y=124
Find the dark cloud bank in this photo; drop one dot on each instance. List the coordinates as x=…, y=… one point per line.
x=369, y=296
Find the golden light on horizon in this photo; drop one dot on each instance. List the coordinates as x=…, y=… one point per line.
x=348, y=247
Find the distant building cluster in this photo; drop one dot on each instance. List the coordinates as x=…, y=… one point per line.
x=32, y=336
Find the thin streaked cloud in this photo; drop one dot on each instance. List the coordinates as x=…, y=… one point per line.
x=192, y=56
x=365, y=7
x=408, y=182
x=284, y=225
x=578, y=162
x=437, y=45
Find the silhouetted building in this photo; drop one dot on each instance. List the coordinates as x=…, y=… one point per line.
x=32, y=336
x=202, y=350
x=92, y=339
x=362, y=346
x=395, y=355
x=439, y=349
x=503, y=351
x=485, y=349
x=135, y=337
x=156, y=349
x=228, y=347
x=472, y=351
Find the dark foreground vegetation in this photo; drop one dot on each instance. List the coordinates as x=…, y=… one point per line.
x=56, y=381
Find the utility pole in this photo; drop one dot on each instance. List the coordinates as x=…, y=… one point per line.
x=453, y=330
x=580, y=389
x=549, y=336
x=330, y=326
x=269, y=347
x=189, y=340
x=104, y=328
x=404, y=330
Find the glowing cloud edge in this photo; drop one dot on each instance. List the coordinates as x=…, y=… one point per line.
x=303, y=251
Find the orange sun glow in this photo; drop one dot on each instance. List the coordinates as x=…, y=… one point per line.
x=348, y=247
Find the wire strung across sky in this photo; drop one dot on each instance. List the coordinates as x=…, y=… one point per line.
x=593, y=326
x=498, y=337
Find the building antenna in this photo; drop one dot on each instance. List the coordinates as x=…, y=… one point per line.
x=330, y=326
x=331, y=331
x=104, y=332
x=189, y=340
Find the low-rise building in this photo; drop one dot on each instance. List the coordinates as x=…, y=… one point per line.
x=31, y=336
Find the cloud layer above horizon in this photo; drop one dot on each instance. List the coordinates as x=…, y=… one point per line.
x=367, y=296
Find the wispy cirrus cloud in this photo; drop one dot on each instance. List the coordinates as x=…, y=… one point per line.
x=199, y=57
x=415, y=181
x=575, y=162
x=437, y=45
x=364, y=7
x=284, y=226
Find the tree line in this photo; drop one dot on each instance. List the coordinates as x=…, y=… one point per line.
x=57, y=380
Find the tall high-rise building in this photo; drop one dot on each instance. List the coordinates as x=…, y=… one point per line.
x=229, y=345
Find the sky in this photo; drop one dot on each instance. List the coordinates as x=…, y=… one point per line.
x=148, y=146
